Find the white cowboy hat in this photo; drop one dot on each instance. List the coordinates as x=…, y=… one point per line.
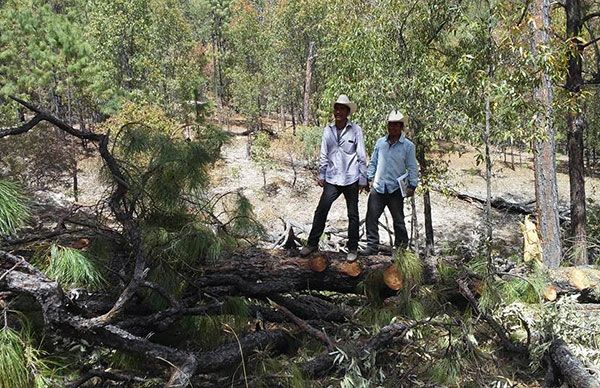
x=344, y=100
x=396, y=116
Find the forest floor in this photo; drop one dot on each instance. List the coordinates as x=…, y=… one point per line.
x=455, y=221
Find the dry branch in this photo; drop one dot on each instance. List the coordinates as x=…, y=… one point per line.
x=572, y=371
x=496, y=327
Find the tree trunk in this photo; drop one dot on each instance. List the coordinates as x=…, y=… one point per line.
x=293, y=120
x=307, y=82
x=424, y=164
x=488, y=179
x=575, y=128
x=546, y=190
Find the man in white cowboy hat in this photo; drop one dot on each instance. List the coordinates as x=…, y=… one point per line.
x=392, y=164
x=342, y=170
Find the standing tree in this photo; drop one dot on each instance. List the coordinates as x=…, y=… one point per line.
x=576, y=18
x=546, y=190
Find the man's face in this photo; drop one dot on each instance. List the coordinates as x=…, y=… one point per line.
x=340, y=112
x=395, y=128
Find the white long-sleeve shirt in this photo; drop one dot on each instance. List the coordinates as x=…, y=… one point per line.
x=343, y=158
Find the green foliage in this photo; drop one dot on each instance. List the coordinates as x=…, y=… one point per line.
x=261, y=146
x=446, y=371
x=377, y=316
x=310, y=138
x=243, y=222
x=21, y=364
x=70, y=267
x=410, y=266
x=161, y=166
x=14, y=211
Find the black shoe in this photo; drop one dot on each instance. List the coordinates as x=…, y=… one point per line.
x=307, y=250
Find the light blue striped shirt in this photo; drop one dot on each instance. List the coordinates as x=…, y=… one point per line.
x=343, y=159
x=391, y=161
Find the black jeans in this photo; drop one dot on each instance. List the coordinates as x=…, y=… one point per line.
x=329, y=195
x=375, y=206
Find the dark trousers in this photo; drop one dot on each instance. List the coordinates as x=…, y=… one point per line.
x=375, y=206
x=329, y=195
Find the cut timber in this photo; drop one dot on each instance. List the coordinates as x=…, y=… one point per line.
x=318, y=262
x=583, y=280
x=260, y=273
x=392, y=278
x=352, y=269
x=550, y=293
x=573, y=372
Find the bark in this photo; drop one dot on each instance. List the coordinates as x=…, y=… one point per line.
x=570, y=368
x=575, y=127
x=488, y=177
x=258, y=273
x=59, y=314
x=546, y=189
x=312, y=307
x=423, y=165
x=310, y=58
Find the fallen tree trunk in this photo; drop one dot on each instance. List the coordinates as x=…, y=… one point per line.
x=570, y=369
x=582, y=280
x=259, y=273
x=499, y=203
x=21, y=278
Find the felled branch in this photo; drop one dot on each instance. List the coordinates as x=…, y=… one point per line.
x=496, y=327
x=121, y=207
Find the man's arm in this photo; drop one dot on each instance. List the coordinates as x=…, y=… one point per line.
x=412, y=167
x=373, y=163
x=362, y=158
x=323, y=158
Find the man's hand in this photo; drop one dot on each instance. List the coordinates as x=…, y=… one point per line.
x=410, y=191
x=366, y=188
x=321, y=182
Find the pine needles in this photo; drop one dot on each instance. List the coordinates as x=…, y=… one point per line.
x=70, y=267
x=20, y=363
x=13, y=208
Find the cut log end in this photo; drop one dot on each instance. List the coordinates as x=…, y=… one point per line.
x=550, y=293
x=352, y=269
x=318, y=263
x=392, y=278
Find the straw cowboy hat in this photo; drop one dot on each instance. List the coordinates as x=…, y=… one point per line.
x=396, y=116
x=344, y=100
